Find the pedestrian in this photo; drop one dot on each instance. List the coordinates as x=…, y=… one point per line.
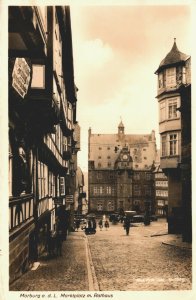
x=77, y=224
x=127, y=224
x=59, y=242
x=94, y=225
x=106, y=225
x=101, y=224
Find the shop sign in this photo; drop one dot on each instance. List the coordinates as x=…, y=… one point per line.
x=21, y=76
x=58, y=201
x=69, y=199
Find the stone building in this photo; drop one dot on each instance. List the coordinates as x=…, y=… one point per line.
x=120, y=171
x=161, y=189
x=174, y=98
x=42, y=122
x=80, y=193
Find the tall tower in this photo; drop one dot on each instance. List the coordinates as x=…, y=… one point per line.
x=121, y=130
x=173, y=77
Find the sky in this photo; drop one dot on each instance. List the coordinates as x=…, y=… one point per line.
x=116, y=51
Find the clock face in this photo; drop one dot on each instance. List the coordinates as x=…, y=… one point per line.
x=125, y=156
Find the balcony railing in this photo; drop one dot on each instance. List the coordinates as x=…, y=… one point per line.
x=20, y=209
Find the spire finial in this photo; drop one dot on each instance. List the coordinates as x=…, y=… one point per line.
x=174, y=40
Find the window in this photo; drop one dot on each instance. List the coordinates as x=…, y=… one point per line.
x=147, y=190
x=62, y=186
x=161, y=193
x=108, y=157
x=136, y=176
x=145, y=157
x=64, y=143
x=173, y=144
x=162, y=111
x=100, y=190
x=99, y=157
x=99, y=165
x=69, y=116
x=53, y=186
x=137, y=191
x=108, y=190
x=163, y=145
x=136, y=166
x=108, y=148
x=95, y=190
x=99, y=206
x=162, y=183
x=160, y=80
x=57, y=187
x=109, y=164
x=172, y=109
x=100, y=148
x=99, y=175
x=50, y=179
x=43, y=13
x=42, y=180
x=148, y=176
x=170, y=77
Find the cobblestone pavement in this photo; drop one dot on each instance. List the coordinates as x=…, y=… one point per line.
x=112, y=261
x=64, y=273
x=140, y=261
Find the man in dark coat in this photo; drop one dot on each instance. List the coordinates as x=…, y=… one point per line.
x=127, y=224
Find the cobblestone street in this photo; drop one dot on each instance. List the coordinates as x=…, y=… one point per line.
x=147, y=259
x=64, y=273
x=140, y=261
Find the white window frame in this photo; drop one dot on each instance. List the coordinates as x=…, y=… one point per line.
x=172, y=108
x=160, y=80
x=95, y=190
x=164, y=145
x=171, y=77
x=173, y=144
x=108, y=190
x=62, y=185
x=100, y=190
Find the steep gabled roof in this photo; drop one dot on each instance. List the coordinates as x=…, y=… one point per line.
x=172, y=58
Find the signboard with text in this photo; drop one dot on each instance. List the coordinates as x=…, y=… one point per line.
x=21, y=76
x=69, y=199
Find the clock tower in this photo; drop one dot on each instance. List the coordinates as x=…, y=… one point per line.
x=121, y=129
x=124, y=160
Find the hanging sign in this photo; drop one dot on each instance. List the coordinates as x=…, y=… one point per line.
x=21, y=76
x=69, y=199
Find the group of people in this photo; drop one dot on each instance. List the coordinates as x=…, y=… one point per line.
x=103, y=224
